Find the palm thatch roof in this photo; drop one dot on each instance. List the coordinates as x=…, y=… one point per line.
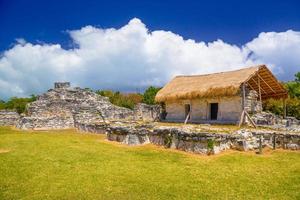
x=223, y=84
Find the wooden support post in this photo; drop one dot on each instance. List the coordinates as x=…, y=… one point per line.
x=259, y=93
x=259, y=90
x=242, y=118
x=244, y=96
x=284, y=108
x=187, y=118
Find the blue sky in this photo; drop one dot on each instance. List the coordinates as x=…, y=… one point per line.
x=235, y=22
x=52, y=38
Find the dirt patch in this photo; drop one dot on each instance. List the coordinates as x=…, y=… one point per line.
x=4, y=150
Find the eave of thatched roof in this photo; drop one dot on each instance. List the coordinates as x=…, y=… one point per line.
x=223, y=84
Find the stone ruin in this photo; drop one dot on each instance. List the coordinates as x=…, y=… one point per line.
x=252, y=105
x=8, y=118
x=187, y=138
x=64, y=106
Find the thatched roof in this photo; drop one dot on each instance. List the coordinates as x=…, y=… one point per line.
x=223, y=84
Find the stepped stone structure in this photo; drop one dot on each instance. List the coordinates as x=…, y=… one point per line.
x=64, y=106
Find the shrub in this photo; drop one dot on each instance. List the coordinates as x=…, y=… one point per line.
x=123, y=100
x=293, y=107
x=149, y=95
x=276, y=106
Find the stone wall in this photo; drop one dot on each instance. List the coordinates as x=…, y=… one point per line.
x=229, y=110
x=271, y=120
x=62, y=85
x=8, y=118
x=45, y=123
x=189, y=140
x=252, y=104
x=205, y=142
x=146, y=112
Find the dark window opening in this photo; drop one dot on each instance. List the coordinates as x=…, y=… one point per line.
x=214, y=111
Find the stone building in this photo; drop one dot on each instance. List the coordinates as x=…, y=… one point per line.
x=226, y=97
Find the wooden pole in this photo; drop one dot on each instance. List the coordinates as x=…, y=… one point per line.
x=244, y=101
x=242, y=118
x=244, y=96
x=243, y=105
x=259, y=92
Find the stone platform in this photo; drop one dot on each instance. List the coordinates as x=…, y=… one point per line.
x=201, y=142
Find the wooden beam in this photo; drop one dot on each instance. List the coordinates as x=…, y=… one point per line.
x=251, y=86
x=251, y=121
x=266, y=83
x=278, y=95
x=258, y=86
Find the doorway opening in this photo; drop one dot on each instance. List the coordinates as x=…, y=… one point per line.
x=214, y=111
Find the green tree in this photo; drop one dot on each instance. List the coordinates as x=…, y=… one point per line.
x=149, y=95
x=297, y=77
x=293, y=87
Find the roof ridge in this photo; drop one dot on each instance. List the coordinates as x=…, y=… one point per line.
x=197, y=75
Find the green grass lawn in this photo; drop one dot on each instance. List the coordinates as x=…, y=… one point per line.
x=70, y=165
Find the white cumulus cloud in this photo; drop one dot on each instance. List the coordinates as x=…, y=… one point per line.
x=133, y=57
